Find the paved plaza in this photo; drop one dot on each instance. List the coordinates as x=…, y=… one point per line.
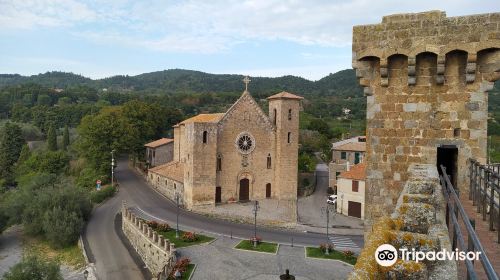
x=219, y=260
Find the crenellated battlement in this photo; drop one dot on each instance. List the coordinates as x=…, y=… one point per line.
x=158, y=253
x=426, y=78
x=426, y=36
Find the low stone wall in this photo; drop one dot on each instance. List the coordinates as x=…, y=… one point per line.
x=417, y=223
x=157, y=253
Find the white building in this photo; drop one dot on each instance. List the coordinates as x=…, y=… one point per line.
x=351, y=191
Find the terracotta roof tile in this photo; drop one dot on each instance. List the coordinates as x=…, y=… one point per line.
x=357, y=172
x=159, y=142
x=204, y=118
x=285, y=95
x=173, y=170
x=353, y=146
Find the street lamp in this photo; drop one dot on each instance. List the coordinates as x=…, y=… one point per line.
x=112, y=167
x=177, y=227
x=326, y=210
x=255, y=209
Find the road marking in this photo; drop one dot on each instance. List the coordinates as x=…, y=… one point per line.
x=343, y=242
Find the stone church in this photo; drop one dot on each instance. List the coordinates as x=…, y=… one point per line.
x=237, y=156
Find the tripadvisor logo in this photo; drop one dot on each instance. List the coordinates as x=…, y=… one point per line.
x=387, y=255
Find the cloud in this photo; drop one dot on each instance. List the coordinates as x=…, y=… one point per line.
x=29, y=14
x=196, y=26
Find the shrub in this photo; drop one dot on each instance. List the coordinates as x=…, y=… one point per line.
x=189, y=236
x=163, y=227
x=32, y=267
x=323, y=247
x=88, y=177
x=181, y=265
x=99, y=196
x=62, y=227
x=348, y=254
x=152, y=224
x=256, y=238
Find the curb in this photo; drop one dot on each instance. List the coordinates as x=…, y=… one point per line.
x=192, y=272
x=252, y=251
x=314, y=258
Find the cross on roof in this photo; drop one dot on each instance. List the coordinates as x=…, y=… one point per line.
x=246, y=80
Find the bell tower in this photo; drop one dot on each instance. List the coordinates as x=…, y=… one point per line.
x=284, y=114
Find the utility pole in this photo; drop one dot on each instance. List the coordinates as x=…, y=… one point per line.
x=112, y=167
x=177, y=227
x=255, y=210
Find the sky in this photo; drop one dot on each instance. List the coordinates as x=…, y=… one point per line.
x=270, y=38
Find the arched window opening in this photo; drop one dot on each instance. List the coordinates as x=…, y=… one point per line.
x=269, y=161
x=289, y=114
x=219, y=162
x=268, y=190
x=289, y=137
x=275, y=115
x=205, y=136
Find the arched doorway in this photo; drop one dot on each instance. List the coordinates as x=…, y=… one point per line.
x=244, y=189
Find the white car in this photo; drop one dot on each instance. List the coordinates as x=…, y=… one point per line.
x=332, y=199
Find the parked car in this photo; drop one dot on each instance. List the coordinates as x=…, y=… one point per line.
x=332, y=199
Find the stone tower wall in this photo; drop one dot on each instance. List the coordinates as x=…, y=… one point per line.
x=426, y=78
x=202, y=158
x=286, y=153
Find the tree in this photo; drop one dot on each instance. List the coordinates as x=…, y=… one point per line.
x=24, y=155
x=101, y=133
x=319, y=125
x=11, y=143
x=33, y=268
x=52, y=139
x=52, y=162
x=65, y=142
x=62, y=227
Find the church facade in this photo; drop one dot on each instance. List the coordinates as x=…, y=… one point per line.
x=237, y=156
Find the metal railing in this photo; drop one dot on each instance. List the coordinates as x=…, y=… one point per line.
x=485, y=192
x=455, y=217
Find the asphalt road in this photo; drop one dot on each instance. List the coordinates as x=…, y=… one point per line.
x=111, y=257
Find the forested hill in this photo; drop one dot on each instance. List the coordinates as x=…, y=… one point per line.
x=342, y=83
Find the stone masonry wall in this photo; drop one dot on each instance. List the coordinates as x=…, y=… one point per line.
x=157, y=253
x=418, y=222
x=426, y=78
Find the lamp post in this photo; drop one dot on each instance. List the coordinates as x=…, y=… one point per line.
x=177, y=227
x=112, y=167
x=255, y=210
x=326, y=211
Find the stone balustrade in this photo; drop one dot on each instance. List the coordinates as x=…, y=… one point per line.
x=157, y=253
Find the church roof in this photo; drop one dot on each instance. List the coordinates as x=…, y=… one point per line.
x=159, y=142
x=173, y=170
x=357, y=172
x=204, y=118
x=285, y=95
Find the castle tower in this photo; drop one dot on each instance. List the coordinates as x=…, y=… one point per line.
x=426, y=78
x=284, y=114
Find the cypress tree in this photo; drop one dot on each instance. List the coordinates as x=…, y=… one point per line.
x=52, y=139
x=65, y=142
x=11, y=143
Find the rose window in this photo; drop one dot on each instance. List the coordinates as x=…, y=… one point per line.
x=245, y=143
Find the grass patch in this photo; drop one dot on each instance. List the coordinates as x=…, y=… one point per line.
x=334, y=255
x=170, y=235
x=71, y=256
x=188, y=272
x=265, y=247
